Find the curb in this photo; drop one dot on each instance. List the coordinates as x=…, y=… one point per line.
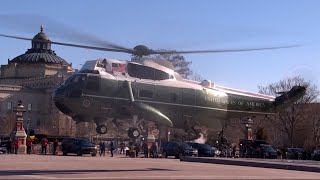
x=254, y=163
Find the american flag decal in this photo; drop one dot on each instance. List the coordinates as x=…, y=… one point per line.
x=118, y=67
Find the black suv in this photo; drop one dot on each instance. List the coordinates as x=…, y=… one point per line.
x=78, y=146
x=267, y=151
x=295, y=153
x=204, y=150
x=178, y=149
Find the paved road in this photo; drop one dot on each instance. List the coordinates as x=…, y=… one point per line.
x=119, y=167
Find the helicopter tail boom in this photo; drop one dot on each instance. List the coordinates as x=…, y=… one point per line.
x=288, y=98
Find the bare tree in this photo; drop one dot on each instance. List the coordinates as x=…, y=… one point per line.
x=312, y=117
x=196, y=77
x=291, y=120
x=7, y=123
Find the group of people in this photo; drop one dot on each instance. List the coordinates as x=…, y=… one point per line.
x=152, y=152
x=102, y=147
x=13, y=146
x=147, y=152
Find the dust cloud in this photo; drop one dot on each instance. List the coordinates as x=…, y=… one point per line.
x=201, y=139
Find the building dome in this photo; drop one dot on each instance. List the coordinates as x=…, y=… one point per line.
x=41, y=36
x=39, y=57
x=40, y=51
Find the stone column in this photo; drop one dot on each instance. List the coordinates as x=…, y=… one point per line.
x=20, y=131
x=150, y=138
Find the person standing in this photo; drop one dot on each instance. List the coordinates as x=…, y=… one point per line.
x=102, y=148
x=16, y=145
x=29, y=145
x=137, y=149
x=9, y=146
x=145, y=149
x=44, y=144
x=122, y=148
x=55, y=145
x=111, y=148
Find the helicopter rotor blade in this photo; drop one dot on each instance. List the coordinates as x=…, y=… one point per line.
x=55, y=29
x=71, y=45
x=221, y=51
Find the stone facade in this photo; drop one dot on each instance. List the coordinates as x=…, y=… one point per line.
x=32, y=78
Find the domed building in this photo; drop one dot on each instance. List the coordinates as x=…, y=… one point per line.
x=39, y=61
x=32, y=77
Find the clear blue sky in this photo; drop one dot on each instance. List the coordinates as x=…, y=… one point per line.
x=183, y=25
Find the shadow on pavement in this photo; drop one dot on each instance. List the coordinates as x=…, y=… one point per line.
x=46, y=172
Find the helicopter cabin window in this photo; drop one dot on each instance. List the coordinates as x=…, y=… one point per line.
x=145, y=72
x=174, y=97
x=93, y=83
x=145, y=94
x=160, y=75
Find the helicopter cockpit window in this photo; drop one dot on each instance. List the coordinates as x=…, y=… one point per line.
x=76, y=79
x=100, y=65
x=68, y=80
x=93, y=83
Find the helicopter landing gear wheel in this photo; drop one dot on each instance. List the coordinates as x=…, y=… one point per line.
x=133, y=133
x=101, y=129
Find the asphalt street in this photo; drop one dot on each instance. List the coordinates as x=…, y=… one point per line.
x=120, y=167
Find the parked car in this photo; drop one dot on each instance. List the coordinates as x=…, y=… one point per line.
x=268, y=152
x=316, y=155
x=178, y=149
x=295, y=153
x=3, y=148
x=78, y=146
x=204, y=150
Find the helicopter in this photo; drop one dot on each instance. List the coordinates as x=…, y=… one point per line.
x=145, y=90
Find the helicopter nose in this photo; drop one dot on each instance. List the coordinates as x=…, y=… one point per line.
x=59, y=99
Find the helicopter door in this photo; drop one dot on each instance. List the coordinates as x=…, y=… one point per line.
x=169, y=98
x=188, y=105
x=145, y=91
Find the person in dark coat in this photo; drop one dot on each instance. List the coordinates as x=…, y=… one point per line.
x=44, y=144
x=55, y=145
x=29, y=145
x=145, y=149
x=137, y=149
x=122, y=148
x=9, y=146
x=16, y=145
x=102, y=148
x=111, y=148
